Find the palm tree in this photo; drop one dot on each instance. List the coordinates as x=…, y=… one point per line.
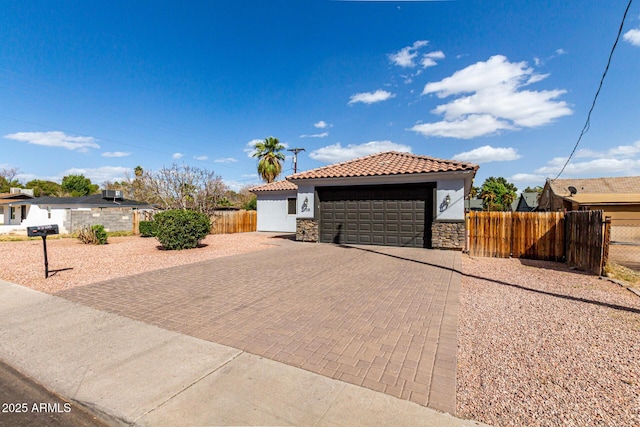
x=271, y=157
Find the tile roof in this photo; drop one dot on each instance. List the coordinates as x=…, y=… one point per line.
x=387, y=163
x=283, y=185
x=625, y=184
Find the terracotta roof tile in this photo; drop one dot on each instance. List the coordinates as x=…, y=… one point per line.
x=388, y=163
x=624, y=184
x=283, y=185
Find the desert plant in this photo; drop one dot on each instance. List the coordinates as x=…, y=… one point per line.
x=93, y=235
x=147, y=228
x=181, y=229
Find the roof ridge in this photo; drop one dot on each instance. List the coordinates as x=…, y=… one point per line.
x=404, y=155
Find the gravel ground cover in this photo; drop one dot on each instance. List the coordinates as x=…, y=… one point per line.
x=72, y=263
x=541, y=345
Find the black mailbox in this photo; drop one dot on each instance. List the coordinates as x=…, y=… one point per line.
x=42, y=230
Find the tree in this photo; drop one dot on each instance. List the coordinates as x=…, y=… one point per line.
x=8, y=179
x=78, y=186
x=44, y=188
x=474, y=192
x=182, y=187
x=536, y=189
x=497, y=194
x=270, y=155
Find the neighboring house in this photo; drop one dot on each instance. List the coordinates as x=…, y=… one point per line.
x=473, y=205
x=276, y=206
x=393, y=199
x=12, y=209
x=619, y=198
x=70, y=213
x=612, y=195
x=527, y=202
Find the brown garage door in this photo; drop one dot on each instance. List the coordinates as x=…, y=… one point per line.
x=389, y=215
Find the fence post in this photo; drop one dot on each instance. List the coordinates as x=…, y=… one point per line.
x=606, y=240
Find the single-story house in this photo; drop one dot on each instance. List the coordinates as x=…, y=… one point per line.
x=391, y=198
x=69, y=213
x=613, y=195
x=12, y=211
x=527, y=202
x=618, y=197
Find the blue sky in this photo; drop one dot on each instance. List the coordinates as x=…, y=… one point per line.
x=100, y=87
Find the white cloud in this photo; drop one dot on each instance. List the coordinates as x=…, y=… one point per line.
x=56, y=139
x=490, y=94
x=115, y=154
x=371, y=97
x=619, y=151
x=466, y=128
x=598, y=167
x=527, y=178
x=177, y=156
x=99, y=175
x=487, y=153
x=201, y=157
x=429, y=60
x=316, y=135
x=632, y=36
x=561, y=52
x=225, y=160
x=322, y=125
x=337, y=153
x=405, y=56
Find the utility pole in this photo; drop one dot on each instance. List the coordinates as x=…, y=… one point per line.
x=295, y=157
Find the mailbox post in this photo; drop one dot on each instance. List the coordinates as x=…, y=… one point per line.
x=43, y=231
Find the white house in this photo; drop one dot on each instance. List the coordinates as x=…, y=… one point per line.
x=393, y=199
x=19, y=211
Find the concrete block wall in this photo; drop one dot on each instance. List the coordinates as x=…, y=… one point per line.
x=112, y=220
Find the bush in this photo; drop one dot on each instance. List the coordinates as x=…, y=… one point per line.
x=147, y=228
x=181, y=229
x=94, y=235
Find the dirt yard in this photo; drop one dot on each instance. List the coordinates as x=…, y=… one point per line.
x=542, y=345
x=72, y=263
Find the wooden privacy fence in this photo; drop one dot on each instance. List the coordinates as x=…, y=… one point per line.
x=537, y=235
x=226, y=222
x=587, y=236
x=579, y=237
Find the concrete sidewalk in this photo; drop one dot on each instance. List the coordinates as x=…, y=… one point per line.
x=143, y=375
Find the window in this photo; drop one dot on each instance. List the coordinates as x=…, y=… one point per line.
x=291, y=206
x=12, y=211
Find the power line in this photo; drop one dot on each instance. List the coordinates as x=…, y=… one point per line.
x=587, y=124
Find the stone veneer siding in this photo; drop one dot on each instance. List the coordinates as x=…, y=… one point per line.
x=448, y=235
x=307, y=229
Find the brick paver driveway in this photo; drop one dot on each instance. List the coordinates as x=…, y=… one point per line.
x=379, y=317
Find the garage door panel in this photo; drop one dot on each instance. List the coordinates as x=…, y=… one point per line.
x=378, y=227
x=406, y=216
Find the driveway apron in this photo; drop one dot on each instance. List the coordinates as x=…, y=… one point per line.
x=378, y=317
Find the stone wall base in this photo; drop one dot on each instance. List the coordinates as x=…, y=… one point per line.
x=307, y=229
x=448, y=235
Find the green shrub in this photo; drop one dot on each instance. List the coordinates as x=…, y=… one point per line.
x=147, y=228
x=94, y=235
x=181, y=229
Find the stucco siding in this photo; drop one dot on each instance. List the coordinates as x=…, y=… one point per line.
x=272, y=213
